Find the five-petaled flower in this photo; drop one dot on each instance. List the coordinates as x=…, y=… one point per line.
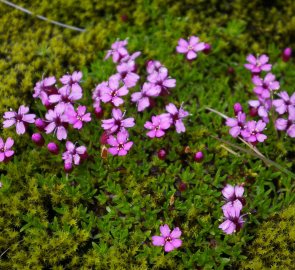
x=176, y=116
x=76, y=118
x=73, y=154
x=5, y=149
x=236, y=124
x=157, y=126
x=169, y=240
x=161, y=82
x=20, y=119
x=117, y=123
x=264, y=87
x=120, y=145
x=256, y=65
x=253, y=131
x=285, y=104
x=190, y=47
x=118, y=51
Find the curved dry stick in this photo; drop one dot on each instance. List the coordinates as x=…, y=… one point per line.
x=42, y=17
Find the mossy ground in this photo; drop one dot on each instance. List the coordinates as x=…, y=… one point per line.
x=102, y=216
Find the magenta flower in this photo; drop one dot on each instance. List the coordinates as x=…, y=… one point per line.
x=190, y=47
x=176, y=116
x=161, y=82
x=58, y=121
x=118, y=51
x=20, y=119
x=120, y=145
x=73, y=154
x=142, y=98
x=5, y=149
x=155, y=66
x=127, y=73
x=285, y=104
x=44, y=89
x=287, y=54
x=234, y=221
x=72, y=81
x=117, y=123
x=71, y=91
x=256, y=65
x=113, y=92
x=288, y=125
x=262, y=106
x=158, y=125
x=76, y=118
x=169, y=240
x=263, y=87
x=253, y=131
x=96, y=94
x=236, y=124
x=232, y=193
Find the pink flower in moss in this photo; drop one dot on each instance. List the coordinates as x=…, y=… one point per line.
x=236, y=124
x=127, y=73
x=256, y=65
x=96, y=94
x=73, y=154
x=20, y=119
x=44, y=89
x=117, y=123
x=169, y=240
x=58, y=121
x=120, y=144
x=113, y=91
x=161, y=82
x=252, y=132
x=190, y=47
x=157, y=126
x=155, y=66
x=285, y=104
x=5, y=149
x=233, y=219
x=72, y=81
x=77, y=118
x=143, y=98
x=264, y=87
x=286, y=124
x=176, y=116
x=117, y=51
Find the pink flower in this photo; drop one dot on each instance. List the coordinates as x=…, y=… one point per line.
x=234, y=221
x=256, y=65
x=44, y=89
x=58, y=121
x=142, y=98
x=169, y=240
x=190, y=47
x=262, y=106
x=263, y=87
x=20, y=119
x=285, y=104
x=253, y=131
x=117, y=123
x=96, y=94
x=236, y=124
x=176, y=116
x=73, y=154
x=158, y=125
x=161, y=82
x=5, y=149
x=118, y=51
x=232, y=193
x=155, y=66
x=77, y=118
x=127, y=73
x=71, y=91
x=288, y=125
x=113, y=92
x=120, y=145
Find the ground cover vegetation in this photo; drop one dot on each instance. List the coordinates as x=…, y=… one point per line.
x=160, y=162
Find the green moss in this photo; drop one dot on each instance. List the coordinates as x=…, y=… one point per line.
x=274, y=243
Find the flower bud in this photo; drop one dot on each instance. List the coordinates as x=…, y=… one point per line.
x=207, y=49
x=68, y=167
x=40, y=124
x=104, y=138
x=98, y=111
x=162, y=154
x=38, y=139
x=287, y=54
x=199, y=156
x=53, y=148
x=182, y=186
x=253, y=112
x=238, y=108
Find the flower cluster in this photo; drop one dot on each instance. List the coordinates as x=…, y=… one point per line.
x=191, y=47
x=232, y=209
